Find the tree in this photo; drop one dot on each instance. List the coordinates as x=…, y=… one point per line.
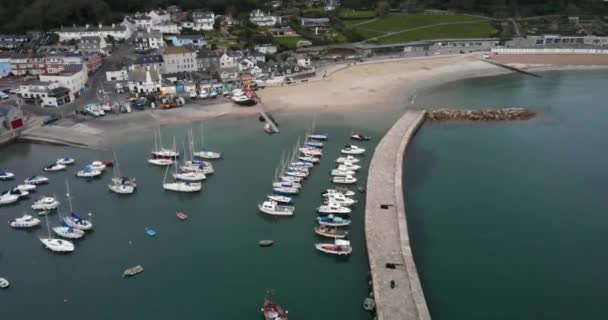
x=382, y=8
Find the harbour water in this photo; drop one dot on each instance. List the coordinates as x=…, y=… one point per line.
x=209, y=266
x=508, y=220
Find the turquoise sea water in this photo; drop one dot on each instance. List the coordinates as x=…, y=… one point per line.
x=208, y=267
x=509, y=220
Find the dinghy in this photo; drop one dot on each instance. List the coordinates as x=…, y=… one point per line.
x=4, y=283
x=132, y=271
x=5, y=175
x=36, y=180
x=65, y=161
x=339, y=247
x=273, y=311
x=359, y=137
x=180, y=215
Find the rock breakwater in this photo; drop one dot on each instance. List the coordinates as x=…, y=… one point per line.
x=504, y=114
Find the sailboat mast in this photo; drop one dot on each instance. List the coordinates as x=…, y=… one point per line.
x=160, y=138
x=67, y=188
x=116, y=169
x=202, y=136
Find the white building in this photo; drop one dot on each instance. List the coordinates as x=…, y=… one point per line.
x=144, y=81
x=179, y=59
x=245, y=65
x=229, y=60
x=263, y=19
x=159, y=16
x=118, y=32
x=147, y=40
x=73, y=77
x=266, y=48
x=303, y=61
x=47, y=94
x=117, y=75
x=166, y=28
x=203, y=20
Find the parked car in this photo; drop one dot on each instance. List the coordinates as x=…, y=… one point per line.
x=3, y=95
x=49, y=120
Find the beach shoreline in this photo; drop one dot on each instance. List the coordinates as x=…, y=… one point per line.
x=378, y=85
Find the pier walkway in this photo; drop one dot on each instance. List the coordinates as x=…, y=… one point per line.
x=397, y=290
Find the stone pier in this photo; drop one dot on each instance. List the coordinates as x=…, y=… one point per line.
x=397, y=290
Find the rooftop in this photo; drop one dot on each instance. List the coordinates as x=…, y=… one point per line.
x=177, y=50
x=188, y=36
x=141, y=75
x=94, y=28
x=149, y=34
x=150, y=58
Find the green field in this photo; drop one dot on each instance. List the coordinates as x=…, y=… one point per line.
x=392, y=23
x=356, y=14
x=480, y=29
x=288, y=42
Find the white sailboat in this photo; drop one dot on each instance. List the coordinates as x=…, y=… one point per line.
x=204, y=153
x=180, y=186
x=55, y=244
x=36, y=180
x=162, y=152
x=352, y=149
x=54, y=167
x=74, y=220
x=190, y=175
x=348, y=158
x=121, y=185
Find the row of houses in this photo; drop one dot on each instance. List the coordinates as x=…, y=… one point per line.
x=54, y=90
x=37, y=64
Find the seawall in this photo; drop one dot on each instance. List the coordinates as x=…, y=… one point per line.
x=397, y=290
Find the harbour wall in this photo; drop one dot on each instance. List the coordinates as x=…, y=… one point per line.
x=397, y=290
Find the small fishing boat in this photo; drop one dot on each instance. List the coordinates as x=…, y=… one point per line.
x=5, y=175
x=340, y=199
x=272, y=208
x=285, y=190
x=243, y=100
x=273, y=311
x=279, y=199
x=333, y=208
x=93, y=110
x=88, y=172
x=98, y=165
x=132, y=271
x=344, y=192
x=36, y=180
x=348, y=158
x=181, y=215
x=19, y=193
x=333, y=221
x=286, y=184
x=192, y=176
x=26, y=187
x=341, y=173
x=68, y=232
x=309, y=159
x=4, y=283
x=344, y=180
x=352, y=149
x=45, y=203
x=339, y=247
x=160, y=161
x=348, y=166
x=150, y=232
x=24, y=222
x=328, y=232
x=291, y=179
x=314, y=144
x=359, y=137
x=54, y=167
x=302, y=164
x=65, y=161
x=310, y=151
x=317, y=136
x=265, y=243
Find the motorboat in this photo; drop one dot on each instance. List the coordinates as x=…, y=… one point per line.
x=36, y=180
x=57, y=245
x=25, y=221
x=328, y=232
x=334, y=208
x=192, y=176
x=75, y=221
x=310, y=151
x=243, y=100
x=279, y=199
x=285, y=190
x=302, y=164
x=88, y=172
x=26, y=187
x=206, y=154
x=317, y=136
x=45, y=204
x=348, y=158
x=309, y=159
x=68, y=232
x=291, y=179
x=314, y=144
x=183, y=186
x=344, y=180
x=212, y=94
x=297, y=174
x=160, y=161
x=5, y=175
x=340, y=199
x=65, y=161
x=54, y=167
x=286, y=184
x=4, y=283
x=359, y=137
x=339, y=247
x=344, y=192
x=19, y=193
x=333, y=221
x=132, y=271
x=352, y=149
x=203, y=94
x=273, y=208
x=98, y=165
x=273, y=311
x=341, y=173
x=348, y=166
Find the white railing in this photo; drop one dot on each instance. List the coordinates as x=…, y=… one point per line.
x=548, y=51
